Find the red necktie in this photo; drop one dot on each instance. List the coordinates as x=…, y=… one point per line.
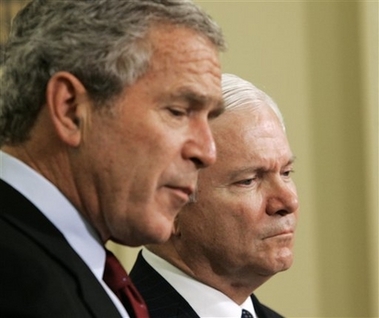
x=119, y=282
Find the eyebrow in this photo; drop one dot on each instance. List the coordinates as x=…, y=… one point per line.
x=291, y=160
x=254, y=169
x=196, y=100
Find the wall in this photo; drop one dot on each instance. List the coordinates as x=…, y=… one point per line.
x=8, y=9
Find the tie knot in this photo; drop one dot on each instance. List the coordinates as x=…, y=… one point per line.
x=119, y=282
x=246, y=314
x=114, y=274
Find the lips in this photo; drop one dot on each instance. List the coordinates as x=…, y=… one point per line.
x=280, y=233
x=184, y=191
x=188, y=190
x=284, y=227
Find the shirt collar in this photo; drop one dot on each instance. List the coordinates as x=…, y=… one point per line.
x=46, y=197
x=212, y=302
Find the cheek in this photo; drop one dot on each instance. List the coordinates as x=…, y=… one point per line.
x=228, y=220
x=241, y=210
x=249, y=220
x=202, y=221
x=148, y=133
x=152, y=150
x=247, y=208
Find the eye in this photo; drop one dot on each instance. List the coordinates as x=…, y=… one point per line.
x=177, y=112
x=287, y=173
x=245, y=182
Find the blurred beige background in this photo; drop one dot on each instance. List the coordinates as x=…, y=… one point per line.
x=319, y=61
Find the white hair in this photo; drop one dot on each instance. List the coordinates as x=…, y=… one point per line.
x=238, y=93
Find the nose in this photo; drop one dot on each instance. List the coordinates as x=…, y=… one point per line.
x=200, y=148
x=282, y=199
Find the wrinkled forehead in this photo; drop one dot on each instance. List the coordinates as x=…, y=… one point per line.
x=246, y=118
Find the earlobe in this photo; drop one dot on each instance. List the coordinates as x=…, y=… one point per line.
x=68, y=105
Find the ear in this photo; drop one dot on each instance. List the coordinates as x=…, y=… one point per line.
x=69, y=107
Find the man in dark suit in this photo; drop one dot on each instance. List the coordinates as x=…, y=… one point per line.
x=104, y=124
x=239, y=229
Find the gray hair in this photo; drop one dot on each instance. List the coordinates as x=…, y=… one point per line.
x=101, y=42
x=238, y=93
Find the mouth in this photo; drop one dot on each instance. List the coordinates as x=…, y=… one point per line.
x=284, y=233
x=185, y=192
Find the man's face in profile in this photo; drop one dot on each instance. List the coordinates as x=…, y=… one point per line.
x=245, y=213
x=151, y=150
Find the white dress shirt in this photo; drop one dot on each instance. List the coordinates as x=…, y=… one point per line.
x=55, y=206
x=205, y=300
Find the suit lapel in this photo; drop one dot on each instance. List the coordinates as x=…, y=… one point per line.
x=16, y=209
x=262, y=311
x=168, y=302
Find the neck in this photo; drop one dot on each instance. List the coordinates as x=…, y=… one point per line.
x=237, y=284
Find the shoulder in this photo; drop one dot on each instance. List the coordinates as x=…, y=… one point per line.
x=161, y=298
x=264, y=311
x=31, y=280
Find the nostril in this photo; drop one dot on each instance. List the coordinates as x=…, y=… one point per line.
x=198, y=163
x=283, y=212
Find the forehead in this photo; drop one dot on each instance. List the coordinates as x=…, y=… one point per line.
x=179, y=42
x=184, y=63
x=248, y=122
x=249, y=134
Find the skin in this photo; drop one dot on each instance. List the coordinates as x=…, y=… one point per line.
x=130, y=172
x=240, y=232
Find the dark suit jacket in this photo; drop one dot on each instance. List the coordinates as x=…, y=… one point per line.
x=40, y=274
x=164, y=301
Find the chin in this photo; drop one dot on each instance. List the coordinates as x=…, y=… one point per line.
x=275, y=268
x=138, y=237
x=284, y=263
x=160, y=237
x=156, y=233
x=279, y=261
x=147, y=225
